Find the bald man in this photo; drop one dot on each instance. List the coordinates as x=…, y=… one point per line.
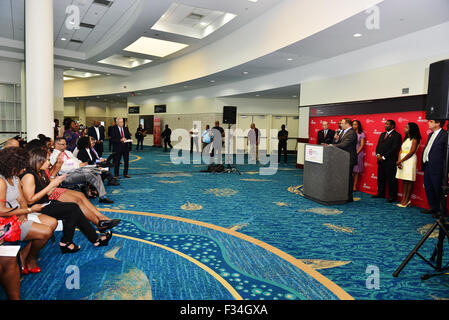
x=325, y=136
x=11, y=143
x=120, y=134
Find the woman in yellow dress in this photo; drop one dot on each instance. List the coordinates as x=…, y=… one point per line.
x=407, y=161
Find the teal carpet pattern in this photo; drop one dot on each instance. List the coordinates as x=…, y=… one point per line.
x=156, y=253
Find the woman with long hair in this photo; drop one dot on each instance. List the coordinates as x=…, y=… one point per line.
x=37, y=187
x=361, y=141
x=407, y=161
x=14, y=209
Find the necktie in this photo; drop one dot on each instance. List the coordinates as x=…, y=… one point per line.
x=386, y=136
x=93, y=150
x=121, y=131
x=427, y=149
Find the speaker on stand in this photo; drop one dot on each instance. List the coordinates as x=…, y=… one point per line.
x=230, y=118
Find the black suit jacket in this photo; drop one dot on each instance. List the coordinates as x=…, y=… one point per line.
x=389, y=147
x=328, y=139
x=117, y=145
x=349, y=143
x=84, y=156
x=92, y=133
x=437, y=153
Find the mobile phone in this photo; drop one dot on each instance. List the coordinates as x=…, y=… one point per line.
x=46, y=204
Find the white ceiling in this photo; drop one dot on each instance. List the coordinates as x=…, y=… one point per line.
x=123, y=22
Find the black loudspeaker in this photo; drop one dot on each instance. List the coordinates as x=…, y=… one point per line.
x=437, y=106
x=230, y=115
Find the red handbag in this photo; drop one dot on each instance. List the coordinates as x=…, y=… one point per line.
x=14, y=235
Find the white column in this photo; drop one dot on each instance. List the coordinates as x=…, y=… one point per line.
x=39, y=67
x=23, y=109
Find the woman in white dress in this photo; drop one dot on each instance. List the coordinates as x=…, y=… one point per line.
x=407, y=161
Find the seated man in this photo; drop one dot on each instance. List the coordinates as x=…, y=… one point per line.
x=87, y=153
x=76, y=171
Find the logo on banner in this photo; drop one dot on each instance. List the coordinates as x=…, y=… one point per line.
x=333, y=122
x=377, y=132
x=400, y=120
x=373, y=176
x=313, y=122
x=370, y=144
x=366, y=187
x=420, y=119
x=369, y=121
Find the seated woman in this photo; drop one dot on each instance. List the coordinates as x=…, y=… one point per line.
x=9, y=271
x=88, y=154
x=89, y=210
x=36, y=189
x=14, y=209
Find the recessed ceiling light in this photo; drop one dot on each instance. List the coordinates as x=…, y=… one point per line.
x=295, y=96
x=245, y=72
x=212, y=81
x=257, y=95
x=290, y=59
x=155, y=47
x=63, y=39
x=108, y=74
x=357, y=35
x=252, y=0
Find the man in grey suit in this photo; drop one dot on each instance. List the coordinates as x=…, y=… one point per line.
x=348, y=142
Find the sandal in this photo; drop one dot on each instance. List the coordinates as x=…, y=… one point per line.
x=103, y=242
x=65, y=248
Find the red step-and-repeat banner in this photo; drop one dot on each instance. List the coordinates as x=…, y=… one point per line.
x=373, y=125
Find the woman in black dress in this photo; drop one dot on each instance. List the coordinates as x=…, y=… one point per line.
x=36, y=189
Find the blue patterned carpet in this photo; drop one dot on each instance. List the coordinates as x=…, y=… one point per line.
x=157, y=257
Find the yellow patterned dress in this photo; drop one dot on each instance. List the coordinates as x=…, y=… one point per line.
x=408, y=171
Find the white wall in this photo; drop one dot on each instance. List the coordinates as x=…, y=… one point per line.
x=10, y=72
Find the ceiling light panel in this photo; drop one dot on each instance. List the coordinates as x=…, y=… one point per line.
x=125, y=61
x=155, y=47
x=80, y=74
x=191, y=21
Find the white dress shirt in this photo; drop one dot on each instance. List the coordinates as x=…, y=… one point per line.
x=70, y=164
x=429, y=145
x=97, y=130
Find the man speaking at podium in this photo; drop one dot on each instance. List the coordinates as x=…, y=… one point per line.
x=348, y=142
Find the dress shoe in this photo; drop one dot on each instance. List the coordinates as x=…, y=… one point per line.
x=428, y=211
x=376, y=196
x=126, y=176
x=113, y=182
x=105, y=200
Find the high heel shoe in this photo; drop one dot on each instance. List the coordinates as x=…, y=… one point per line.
x=103, y=242
x=104, y=225
x=65, y=248
x=24, y=271
x=33, y=270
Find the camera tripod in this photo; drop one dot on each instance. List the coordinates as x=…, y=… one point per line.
x=230, y=168
x=443, y=224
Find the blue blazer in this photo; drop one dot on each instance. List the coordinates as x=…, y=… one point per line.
x=437, y=153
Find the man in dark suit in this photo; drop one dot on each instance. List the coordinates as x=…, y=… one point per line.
x=433, y=164
x=166, y=135
x=97, y=132
x=119, y=134
x=387, y=150
x=326, y=135
x=348, y=142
